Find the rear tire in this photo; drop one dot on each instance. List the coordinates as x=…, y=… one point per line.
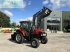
x=19, y=38
x=44, y=40
x=35, y=43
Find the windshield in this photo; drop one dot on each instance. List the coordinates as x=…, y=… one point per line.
x=24, y=25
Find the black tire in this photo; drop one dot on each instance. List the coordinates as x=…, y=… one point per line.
x=19, y=38
x=35, y=43
x=44, y=40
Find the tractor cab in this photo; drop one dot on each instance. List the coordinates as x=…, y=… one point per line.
x=25, y=25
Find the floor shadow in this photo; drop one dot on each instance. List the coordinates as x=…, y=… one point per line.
x=29, y=45
x=24, y=41
x=11, y=40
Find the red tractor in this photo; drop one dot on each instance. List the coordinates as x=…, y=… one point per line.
x=32, y=34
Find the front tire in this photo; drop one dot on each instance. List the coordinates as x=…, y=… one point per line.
x=19, y=38
x=44, y=40
x=12, y=37
x=35, y=43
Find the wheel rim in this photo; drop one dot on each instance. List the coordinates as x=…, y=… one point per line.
x=18, y=37
x=33, y=43
x=43, y=40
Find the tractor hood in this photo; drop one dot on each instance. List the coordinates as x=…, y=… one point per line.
x=38, y=31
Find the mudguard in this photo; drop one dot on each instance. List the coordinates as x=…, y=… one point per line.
x=22, y=31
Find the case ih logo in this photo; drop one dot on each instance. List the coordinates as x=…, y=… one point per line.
x=46, y=12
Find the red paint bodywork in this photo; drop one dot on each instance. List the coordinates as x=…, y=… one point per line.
x=22, y=31
x=36, y=32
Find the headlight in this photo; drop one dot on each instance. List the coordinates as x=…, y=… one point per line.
x=44, y=34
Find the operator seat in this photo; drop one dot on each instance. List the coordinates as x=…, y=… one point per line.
x=32, y=29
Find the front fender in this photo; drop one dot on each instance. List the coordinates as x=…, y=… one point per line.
x=21, y=31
